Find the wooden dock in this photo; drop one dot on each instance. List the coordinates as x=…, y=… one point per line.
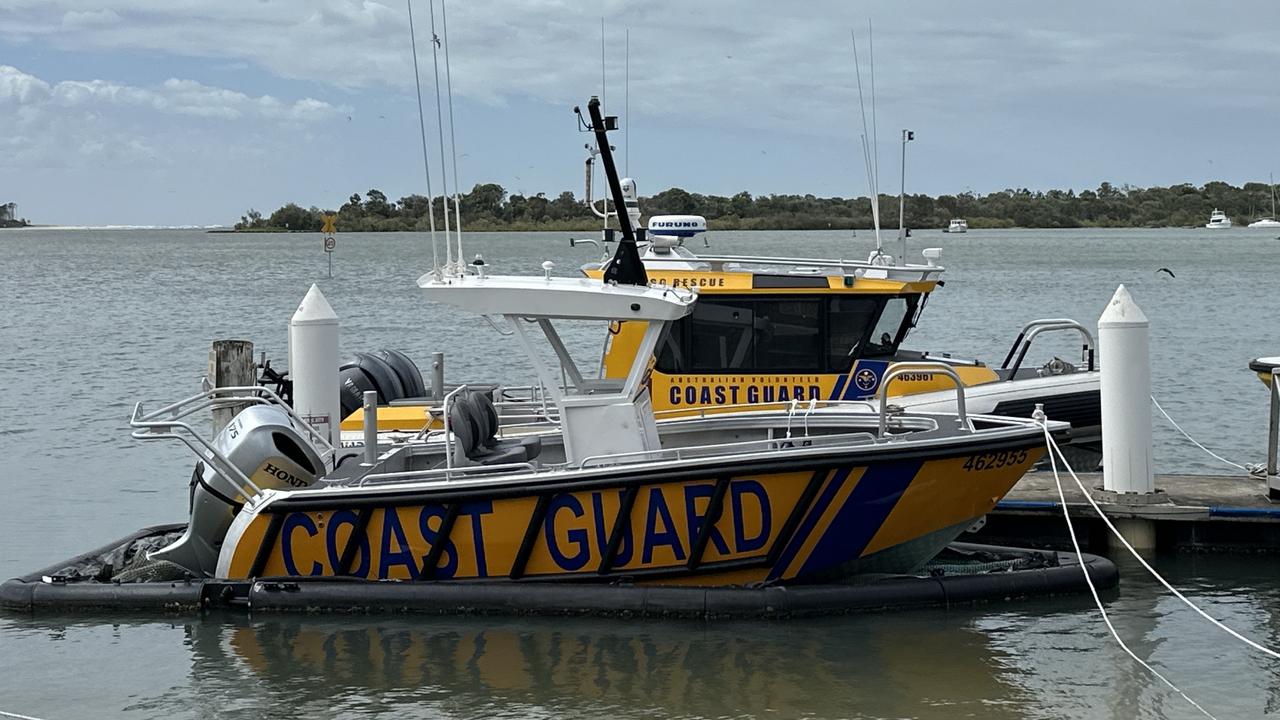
x=1200, y=513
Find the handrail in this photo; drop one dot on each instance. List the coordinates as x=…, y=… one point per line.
x=718, y=261
x=1035, y=327
x=168, y=430
x=447, y=472
x=900, y=369
x=166, y=423
x=703, y=411
x=742, y=446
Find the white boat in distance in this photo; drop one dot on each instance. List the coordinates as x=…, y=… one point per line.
x=958, y=225
x=1218, y=219
x=1268, y=222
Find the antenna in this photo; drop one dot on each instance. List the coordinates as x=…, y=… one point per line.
x=453, y=143
x=444, y=178
x=603, y=85
x=422, y=129
x=907, y=136
x=626, y=106
x=875, y=134
x=866, y=151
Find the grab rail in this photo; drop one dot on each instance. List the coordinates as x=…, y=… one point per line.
x=703, y=411
x=1035, y=327
x=901, y=369
x=741, y=447
x=447, y=472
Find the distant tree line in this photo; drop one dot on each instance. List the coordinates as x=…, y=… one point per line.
x=489, y=207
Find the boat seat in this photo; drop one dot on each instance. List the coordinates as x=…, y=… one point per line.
x=532, y=445
x=469, y=427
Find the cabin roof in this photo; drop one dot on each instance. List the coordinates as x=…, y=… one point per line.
x=558, y=297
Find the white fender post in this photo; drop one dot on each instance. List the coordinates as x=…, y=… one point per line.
x=313, y=363
x=1124, y=361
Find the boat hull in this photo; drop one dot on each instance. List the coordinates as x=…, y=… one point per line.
x=788, y=524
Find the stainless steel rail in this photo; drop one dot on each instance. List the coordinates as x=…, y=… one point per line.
x=900, y=369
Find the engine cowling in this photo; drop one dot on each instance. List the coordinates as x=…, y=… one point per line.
x=261, y=442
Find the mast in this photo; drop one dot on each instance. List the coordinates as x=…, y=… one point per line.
x=626, y=267
x=907, y=136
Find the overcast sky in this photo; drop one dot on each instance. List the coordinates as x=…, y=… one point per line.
x=185, y=112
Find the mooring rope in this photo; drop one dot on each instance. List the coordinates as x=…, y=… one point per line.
x=1176, y=426
x=1054, y=447
x=1097, y=599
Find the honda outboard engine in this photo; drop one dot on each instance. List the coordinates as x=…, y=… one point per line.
x=261, y=442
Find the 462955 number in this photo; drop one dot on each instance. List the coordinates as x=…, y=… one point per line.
x=991, y=461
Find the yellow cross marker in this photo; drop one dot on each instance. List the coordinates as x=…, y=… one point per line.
x=329, y=228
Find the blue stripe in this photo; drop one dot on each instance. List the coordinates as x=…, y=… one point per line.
x=806, y=526
x=1026, y=505
x=840, y=381
x=864, y=511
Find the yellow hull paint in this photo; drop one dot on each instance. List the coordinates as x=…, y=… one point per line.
x=780, y=526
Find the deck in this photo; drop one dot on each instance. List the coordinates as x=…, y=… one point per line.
x=1189, y=512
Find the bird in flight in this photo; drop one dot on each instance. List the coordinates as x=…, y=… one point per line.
x=1166, y=270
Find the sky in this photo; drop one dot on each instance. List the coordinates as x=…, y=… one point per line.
x=180, y=112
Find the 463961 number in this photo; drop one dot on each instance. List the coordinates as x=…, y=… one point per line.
x=991, y=461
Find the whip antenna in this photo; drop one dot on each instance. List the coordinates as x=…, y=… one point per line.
x=422, y=129
x=866, y=150
x=444, y=178
x=453, y=143
x=626, y=108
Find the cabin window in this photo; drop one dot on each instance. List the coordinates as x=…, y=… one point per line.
x=847, y=321
x=788, y=335
x=886, y=333
x=723, y=336
x=779, y=335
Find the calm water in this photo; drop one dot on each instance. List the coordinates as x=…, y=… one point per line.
x=93, y=321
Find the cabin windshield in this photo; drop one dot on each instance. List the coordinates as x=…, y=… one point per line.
x=787, y=334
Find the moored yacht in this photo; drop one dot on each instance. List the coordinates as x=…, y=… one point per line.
x=1268, y=222
x=1218, y=220
x=958, y=225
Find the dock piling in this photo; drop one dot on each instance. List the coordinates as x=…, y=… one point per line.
x=1273, y=438
x=1126, y=396
x=1124, y=360
x=230, y=365
x=313, y=363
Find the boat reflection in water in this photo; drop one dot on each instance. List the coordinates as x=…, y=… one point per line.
x=551, y=667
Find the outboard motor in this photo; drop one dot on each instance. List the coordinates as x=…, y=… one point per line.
x=261, y=442
x=670, y=231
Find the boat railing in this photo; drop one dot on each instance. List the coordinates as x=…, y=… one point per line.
x=1036, y=327
x=169, y=422
x=718, y=263
x=743, y=447
x=793, y=407
x=444, y=473
x=900, y=369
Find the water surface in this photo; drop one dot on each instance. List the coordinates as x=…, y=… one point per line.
x=93, y=321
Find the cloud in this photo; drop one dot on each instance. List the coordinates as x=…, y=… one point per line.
x=174, y=96
x=746, y=63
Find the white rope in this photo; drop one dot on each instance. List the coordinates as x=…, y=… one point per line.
x=17, y=716
x=1260, y=648
x=1097, y=600
x=1178, y=427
